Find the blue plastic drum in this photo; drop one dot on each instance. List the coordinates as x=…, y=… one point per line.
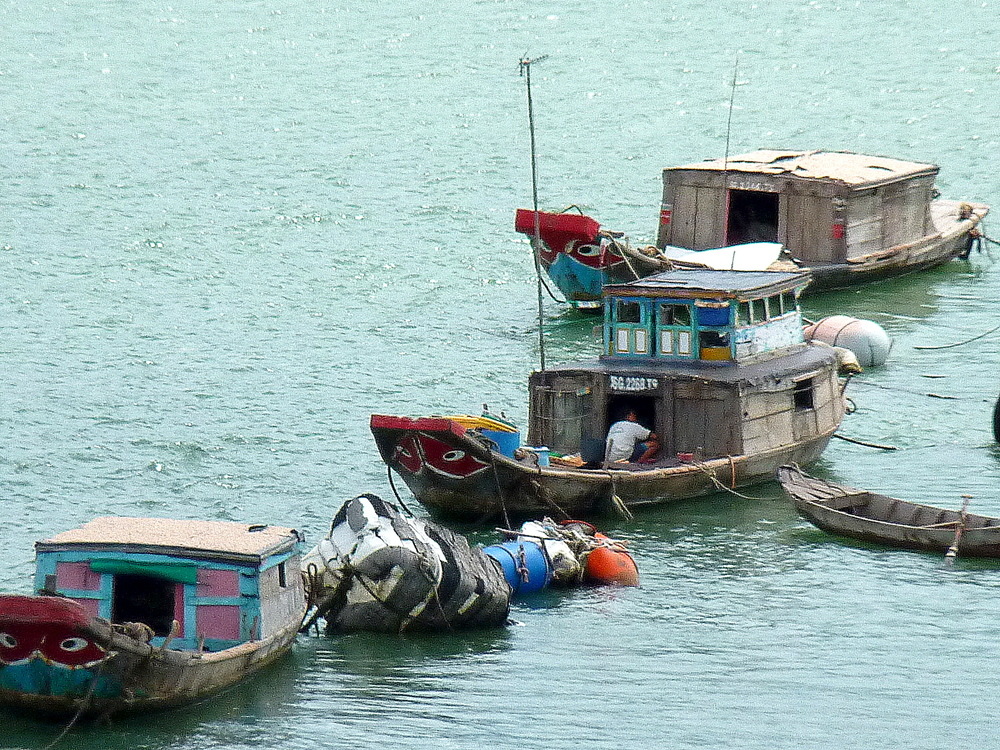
x=525, y=565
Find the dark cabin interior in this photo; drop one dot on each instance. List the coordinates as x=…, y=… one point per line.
x=753, y=217
x=145, y=599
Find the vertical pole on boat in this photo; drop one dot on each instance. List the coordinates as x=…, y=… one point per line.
x=729, y=122
x=952, y=552
x=536, y=242
x=725, y=159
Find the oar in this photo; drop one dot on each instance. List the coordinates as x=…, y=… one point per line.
x=952, y=552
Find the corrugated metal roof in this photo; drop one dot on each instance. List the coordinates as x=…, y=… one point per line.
x=224, y=537
x=843, y=166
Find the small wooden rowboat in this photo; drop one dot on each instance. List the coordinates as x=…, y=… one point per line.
x=141, y=613
x=871, y=517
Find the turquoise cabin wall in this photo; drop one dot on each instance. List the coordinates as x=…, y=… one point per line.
x=247, y=599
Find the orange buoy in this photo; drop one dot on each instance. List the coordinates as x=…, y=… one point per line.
x=611, y=565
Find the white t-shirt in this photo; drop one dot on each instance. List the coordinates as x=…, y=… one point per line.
x=622, y=439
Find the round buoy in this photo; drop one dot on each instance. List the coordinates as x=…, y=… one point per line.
x=866, y=338
x=611, y=564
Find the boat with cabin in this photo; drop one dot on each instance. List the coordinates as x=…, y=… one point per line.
x=847, y=218
x=713, y=362
x=135, y=614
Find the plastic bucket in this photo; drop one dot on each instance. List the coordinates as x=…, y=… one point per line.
x=507, y=442
x=527, y=557
x=543, y=454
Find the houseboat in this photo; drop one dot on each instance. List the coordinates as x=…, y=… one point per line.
x=713, y=362
x=846, y=218
x=133, y=614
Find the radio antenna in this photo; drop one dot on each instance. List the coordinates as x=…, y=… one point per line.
x=524, y=68
x=729, y=122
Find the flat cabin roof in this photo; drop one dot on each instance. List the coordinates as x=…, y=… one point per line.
x=199, y=539
x=704, y=283
x=841, y=166
x=802, y=361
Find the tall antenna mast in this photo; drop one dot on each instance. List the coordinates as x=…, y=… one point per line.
x=524, y=68
x=729, y=122
x=725, y=159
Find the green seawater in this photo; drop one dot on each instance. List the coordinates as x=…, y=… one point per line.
x=231, y=231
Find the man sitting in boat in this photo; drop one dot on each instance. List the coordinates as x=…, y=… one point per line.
x=630, y=441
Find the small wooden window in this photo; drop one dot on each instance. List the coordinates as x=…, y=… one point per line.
x=803, y=394
x=743, y=314
x=675, y=315
x=629, y=312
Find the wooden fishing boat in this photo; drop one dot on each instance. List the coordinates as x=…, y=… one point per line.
x=135, y=614
x=714, y=362
x=846, y=218
x=871, y=517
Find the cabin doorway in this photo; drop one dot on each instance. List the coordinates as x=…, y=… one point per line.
x=145, y=599
x=753, y=217
x=644, y=407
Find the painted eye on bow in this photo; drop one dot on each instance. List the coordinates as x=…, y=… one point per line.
x=7, y=640
x=74, y=644
x=455, y=455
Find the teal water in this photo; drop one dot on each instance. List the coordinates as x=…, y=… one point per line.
x=231, y=231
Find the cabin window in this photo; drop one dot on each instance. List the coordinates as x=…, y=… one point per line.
x=641, y=344
x=743, y=314
x=282, y=581
x=675, y=342
x=714, y=345
x=772, y=306
x=787, y=302
x=758, y=311
x=675, y=315
x=803, y=394
x=621, y=339
x=628, y=331
x=138, y=598
x=628, y=312
x=674, y=325
x=713, y=314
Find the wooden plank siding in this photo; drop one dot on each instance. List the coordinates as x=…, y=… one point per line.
x=706, y=419
x=685, y=221
x=710, y=224
x=808, y=223
x=863, y=226
x=767, y=416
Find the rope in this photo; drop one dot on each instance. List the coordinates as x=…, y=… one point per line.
x=545, y=284
x=720, y=486
x=907, y=390
x=84, y=702
x=624, y=255
x=496, y=479
x=867, y=445
x=961, y=343
x=392, y=484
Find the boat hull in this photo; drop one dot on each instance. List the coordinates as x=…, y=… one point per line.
x=122, y=673
x=581, y=276
x=879, y=519
x=480, y=483
x=954, y=240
